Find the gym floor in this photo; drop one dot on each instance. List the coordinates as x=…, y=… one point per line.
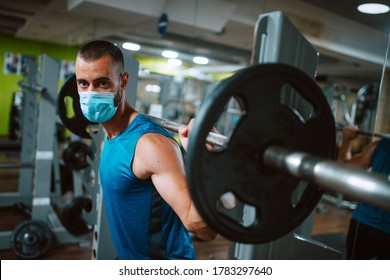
x=329, y=221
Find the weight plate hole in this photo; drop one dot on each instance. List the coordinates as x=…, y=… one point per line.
x=233, y=208
x=233, y=111
x=70, y=114
x=290, y=97
x=297, y=194
x=228, y=200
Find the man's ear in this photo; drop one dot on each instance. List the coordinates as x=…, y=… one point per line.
x=124, y=80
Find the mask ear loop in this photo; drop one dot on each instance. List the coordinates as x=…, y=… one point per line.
x=119, y=90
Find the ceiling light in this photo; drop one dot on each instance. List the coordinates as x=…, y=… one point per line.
x=131, y=46
x=200, y=60
x=152, y=88
x=373, y=8
x=170, y=54
x=174, y=61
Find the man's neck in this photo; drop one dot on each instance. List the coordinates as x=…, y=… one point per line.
x=123, y=117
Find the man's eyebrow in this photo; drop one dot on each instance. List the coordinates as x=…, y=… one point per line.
x=100, y=79
x=80, y=80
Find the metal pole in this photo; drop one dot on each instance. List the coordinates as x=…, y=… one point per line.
x=340, y=127
x=212, y=138
x=33, y=87
x=38, y=89
x=349, y=180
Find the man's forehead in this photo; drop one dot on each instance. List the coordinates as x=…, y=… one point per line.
x=102, y=65
x=93, y=79
x=94, y=70
x=106, y=60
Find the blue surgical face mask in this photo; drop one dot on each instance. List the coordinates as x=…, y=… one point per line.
x=97, y=106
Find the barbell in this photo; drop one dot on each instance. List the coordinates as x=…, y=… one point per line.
x=276, y=161
x=328, y=174
x=363, y=132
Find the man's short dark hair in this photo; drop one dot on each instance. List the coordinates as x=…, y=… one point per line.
x=97, y=49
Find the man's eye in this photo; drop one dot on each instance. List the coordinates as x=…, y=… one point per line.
x=103, y=84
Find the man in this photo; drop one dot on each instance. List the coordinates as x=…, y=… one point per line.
x=369, y=230
x=148, y=204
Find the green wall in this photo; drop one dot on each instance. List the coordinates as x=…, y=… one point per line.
x=9, y=82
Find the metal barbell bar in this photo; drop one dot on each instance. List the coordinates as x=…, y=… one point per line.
x=340, y=127
x=349, y=180
x=352, y=181
x=32, y=87
x=37, y=89
x=212, y=138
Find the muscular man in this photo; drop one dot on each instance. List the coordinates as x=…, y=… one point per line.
x=149, y=208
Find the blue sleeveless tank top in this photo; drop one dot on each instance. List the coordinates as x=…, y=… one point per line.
x=142, y=224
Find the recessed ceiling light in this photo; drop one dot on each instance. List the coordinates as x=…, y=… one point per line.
x=152, y=88
x=200, y=60
x=373, y=8
x=174, y=61
x=131, y=46
x=170, y=54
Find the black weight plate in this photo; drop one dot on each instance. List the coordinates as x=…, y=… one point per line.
x=72, y=216
x=238, y=167
x=76, y=154
x=72, y=118
x=31, y=239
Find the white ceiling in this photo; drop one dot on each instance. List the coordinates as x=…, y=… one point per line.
x=350, y=45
